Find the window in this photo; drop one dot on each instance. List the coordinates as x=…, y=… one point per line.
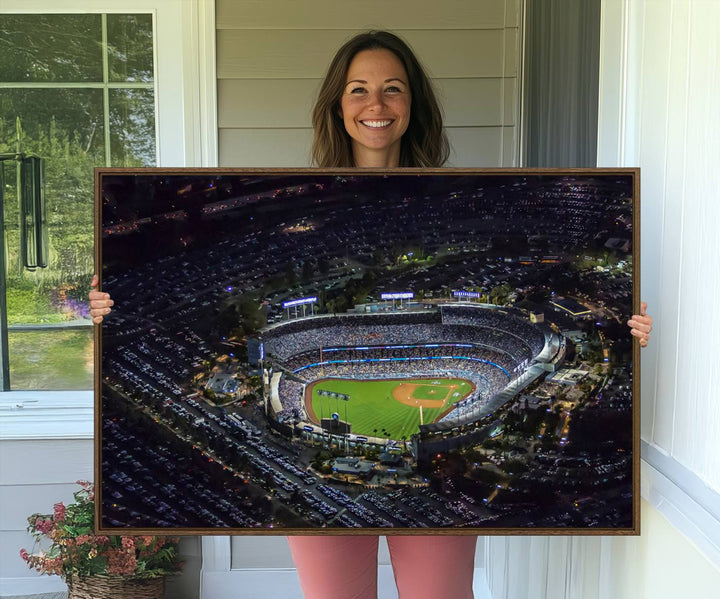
x=186, y=135
x=77, y=90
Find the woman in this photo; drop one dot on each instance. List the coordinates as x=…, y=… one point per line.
x=377, y=109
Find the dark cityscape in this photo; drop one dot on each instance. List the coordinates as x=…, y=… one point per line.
x=254, y=311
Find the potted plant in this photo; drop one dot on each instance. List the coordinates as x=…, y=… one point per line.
x=98, y=566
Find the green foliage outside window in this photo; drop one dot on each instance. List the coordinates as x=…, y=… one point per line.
x=76, y=90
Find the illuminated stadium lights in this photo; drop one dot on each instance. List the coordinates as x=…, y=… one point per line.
x=460, y=293
x=404, y=295
x=311, y=301
x=300, y=302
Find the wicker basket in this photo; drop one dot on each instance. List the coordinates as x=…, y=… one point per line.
x=116, y=587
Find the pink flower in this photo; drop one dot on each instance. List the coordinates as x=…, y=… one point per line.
x=59, y=512
x=73, y=554
x=121, y=562
x=145, y=540
x=44, y=526
x=53, y=565
x=88, y=487
x=128, y=542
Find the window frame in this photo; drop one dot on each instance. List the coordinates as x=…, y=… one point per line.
x=186, y=135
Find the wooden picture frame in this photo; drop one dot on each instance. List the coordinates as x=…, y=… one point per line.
x=335, y=351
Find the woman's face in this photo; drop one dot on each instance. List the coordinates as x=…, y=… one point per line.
x=375, y=107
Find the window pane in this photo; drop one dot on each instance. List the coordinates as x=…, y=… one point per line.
x=65, y=127
x=53, y=359
x=130, y=47
x=50, y=48
x=132, y=127
x=54, y=122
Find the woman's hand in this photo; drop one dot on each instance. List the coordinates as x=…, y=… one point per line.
x=100, y=303
x=641, y=325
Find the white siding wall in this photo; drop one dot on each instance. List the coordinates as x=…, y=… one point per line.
x=271, y=57
x=671, y=129
x=659, y=564
x=660, y=82
x=34, y=475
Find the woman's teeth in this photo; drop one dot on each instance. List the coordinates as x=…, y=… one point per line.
x=376, y=124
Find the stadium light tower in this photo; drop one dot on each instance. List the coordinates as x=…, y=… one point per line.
x=300, y=302
x=407, y=295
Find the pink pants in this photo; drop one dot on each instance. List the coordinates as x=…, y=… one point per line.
x=425, y=567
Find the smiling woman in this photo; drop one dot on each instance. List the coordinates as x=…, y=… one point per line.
x=375, y=107
x=365, y=104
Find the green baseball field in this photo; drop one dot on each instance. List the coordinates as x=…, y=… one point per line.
x=388, y=408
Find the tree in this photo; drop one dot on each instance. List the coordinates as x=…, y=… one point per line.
x=228, y=319
x=251, y=318
x=290, y=276
x=500, y=294
x=308, y=271
x=66, y=127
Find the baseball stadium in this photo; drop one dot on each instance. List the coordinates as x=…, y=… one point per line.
x=378, y=377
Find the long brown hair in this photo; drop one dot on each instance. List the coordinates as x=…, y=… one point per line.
x=423, y=144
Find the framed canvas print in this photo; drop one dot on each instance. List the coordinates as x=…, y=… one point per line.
x=361, y=352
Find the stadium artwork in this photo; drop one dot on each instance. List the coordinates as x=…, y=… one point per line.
x=397, y=352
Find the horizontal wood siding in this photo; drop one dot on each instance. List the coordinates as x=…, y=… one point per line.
x=380, y=14
x=264, y=147
x=34, y=475
x=306, y=54
x=265, y=103
x=271, y=58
